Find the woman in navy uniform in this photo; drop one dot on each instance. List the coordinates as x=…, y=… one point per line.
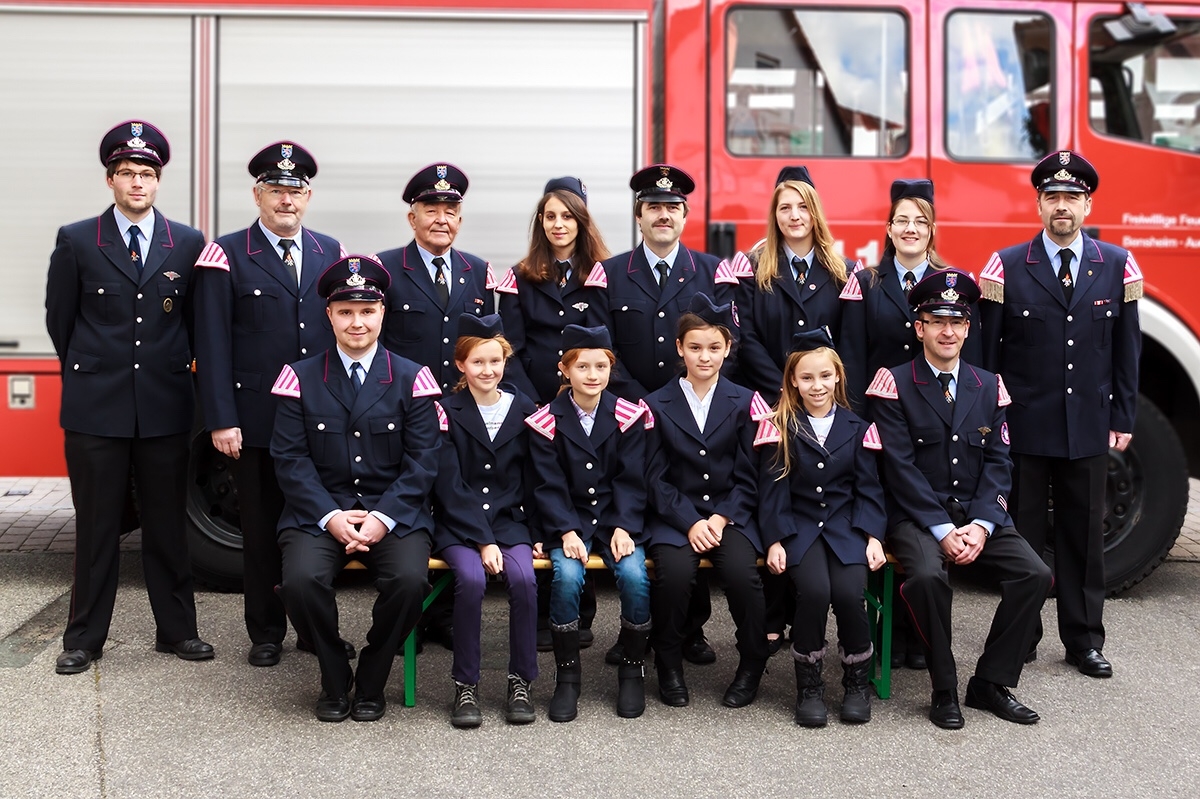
x=486, y=452
x=823, y=517
x=546, y=291
x=597, y=442
x=702, y=475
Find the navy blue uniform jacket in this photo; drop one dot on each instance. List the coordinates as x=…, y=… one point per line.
x=534, y=316
x=693, y=475
x=496, y=477
x=336, y=451
x=589, y=484
x=877, y=329
x=1072, y=370
x=832, y=491
x=251, y=320
x=770, y=319
x=644, y=319
x=123, y=339
x=933, y=452
x=416, y=325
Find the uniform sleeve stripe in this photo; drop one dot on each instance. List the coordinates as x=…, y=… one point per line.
x=287, y=384
x=443, y=419
x=425, y=385
x=213, y=257
x=759, y=409
x=741, y=266
x=597, y=278
x=767, y=433
x=1002, y=502
x=542, y=422
x=871, y=438
x=508, y=284
x=851, y=291
x=884, y=386
x=1002, y=397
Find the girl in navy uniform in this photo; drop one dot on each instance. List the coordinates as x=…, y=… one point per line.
x=821, y=514
x=487, y=454
x=702, y=474
x=590, y=454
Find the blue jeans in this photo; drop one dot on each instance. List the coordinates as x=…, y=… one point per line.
x=632, y=583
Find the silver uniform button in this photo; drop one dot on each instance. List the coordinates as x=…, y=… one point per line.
x=1069, y=317
x=1069, y=390
x=954, y=461
x=819, y=489
x=139, y=320
x=357, y=434
x=624, y=307
x=137, y=343
x=391, y=425
x=358, y=458
x=445, y=341
x=661, y=315
x=1026, y=313
x=1108, y=313
x=1070, y=342
x=1070, y=366
x=703, y=452
x=304, y=350
x=139, y=295
x=820, y=524
x=356, y=481
x=406, y=306
x=660, y=363
x=257, y=292
x=706, y=477
x=908, y=324
x=139, y=366
x=445, y=318
x=487, y=465
x=320, y=425
x=562, y=313
x=591, y=491
x=486, y=506
x=955, y=482
x=954, y=437
x=99, y=291
x=587, y=466
x=820, y=465
x=301, y=325
x=705, y=497
x=660, y=339
x=486, y=490
x=594, y=502
x=237, y=385
x=906, y=347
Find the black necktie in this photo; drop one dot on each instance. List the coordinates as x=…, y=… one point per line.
x=910, y=280
x=1064, y=274
x=356, y=371
x=288, y=260
x=135, y=247
x=563, y=268
x=801, y=267
x=663, y=267
x=944, y=378
x=443, y=287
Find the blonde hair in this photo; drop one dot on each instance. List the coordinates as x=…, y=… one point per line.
x=791, y=406
x=464, y=345
x=766, y=255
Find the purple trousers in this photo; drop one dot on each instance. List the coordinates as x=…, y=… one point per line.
x=470, y=581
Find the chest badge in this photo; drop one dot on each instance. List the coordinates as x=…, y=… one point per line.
x=580, y=306
x=172, y=275
x=168, y=304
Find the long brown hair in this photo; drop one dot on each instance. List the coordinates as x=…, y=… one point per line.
x=767, y=253
x=538, y=264
x=572, y=355
x=464, y=345
x=790, y=408
x=926, y=209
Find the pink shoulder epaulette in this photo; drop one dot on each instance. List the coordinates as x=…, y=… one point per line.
x=342, y=251
x=1002, y=397
x=991, y=279
x=287, y=384
x=741, y=266
x=508, y=284
x=884, y=386
x=425, y=385
x=597, y=278
x=759, y=409
x=213, y=257
x=767, y=433
x=443, y=419
x=1134, y=284
x=648, y=419
x=542, y=421
x=851, y=291
x=627, y=413
x=871, y=438
x=725, y=274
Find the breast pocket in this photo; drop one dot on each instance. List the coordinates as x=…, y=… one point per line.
x=1103, y=319
x=927, y=444
x=326, y=439
x=1027, y=324
x=629, y=321
x=409, y=320
x=387, y=438
x=256, y=305
x=976, y=443
x=101, y=302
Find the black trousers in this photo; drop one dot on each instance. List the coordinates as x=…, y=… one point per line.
x=1078, y=538
x=99, y=468
x=820, y=581
x=674, y=585
x=1024, y=583
x=399, y=566
x=260, y=504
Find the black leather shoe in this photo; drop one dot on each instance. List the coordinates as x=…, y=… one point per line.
x=1032, y=656
x=696, y=650
x=984, y=695
x=615, y=654
x=672, y=690
x=75, y=661
x=190, y=649
x=367, y=708
x=744, y=688
x=263, y=655
x=586, y=638
x=1091, y=663
x=915, y=661
x=897, y=659
x=944, y=710
x=333, y=708
x=303, y=645
x=774, y=645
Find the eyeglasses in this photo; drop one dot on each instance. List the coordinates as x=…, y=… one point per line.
x=903, y=222
x=129, y=174
x=940, y=322
x=293, y=193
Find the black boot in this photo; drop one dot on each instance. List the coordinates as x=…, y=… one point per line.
x=564, y=705
x=810, y=689
x=631, y=687
x=856, y=681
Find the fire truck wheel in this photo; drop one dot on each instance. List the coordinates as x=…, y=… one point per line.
x=214, y=530
x=1147, y=498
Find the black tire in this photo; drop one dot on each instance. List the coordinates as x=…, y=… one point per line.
x=213, y=525
x=1147, y=498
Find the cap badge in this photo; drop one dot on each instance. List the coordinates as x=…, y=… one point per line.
x=951, y=280
x=664, y=183
x=442, y=171
x=135, y=129
x=286, y=150
x=950, y=295
x=1063, y=174
x=665, y=170
x=583, y=189
x=442, y=185
x=355, y=280
x=1064, y=157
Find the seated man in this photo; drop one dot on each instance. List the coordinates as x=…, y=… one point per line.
x=355, y=447
x=946, y=463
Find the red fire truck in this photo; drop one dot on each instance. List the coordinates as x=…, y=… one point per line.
x=966, y=92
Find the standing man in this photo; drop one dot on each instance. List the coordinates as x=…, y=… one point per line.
x=1061, y=325
x=355, y=447
x=119, y=316
x=432, y=283
x=257, y=310
x=946, y=418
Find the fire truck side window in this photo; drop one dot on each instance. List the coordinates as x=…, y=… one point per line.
x=816, y=82
x=1145, y=80
x=999, y=88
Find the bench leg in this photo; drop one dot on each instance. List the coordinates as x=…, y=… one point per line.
x=879, y=616
x=410, y=644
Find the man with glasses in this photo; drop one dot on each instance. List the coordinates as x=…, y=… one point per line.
x=258, y=309
x=946, y=466
x=117, y=309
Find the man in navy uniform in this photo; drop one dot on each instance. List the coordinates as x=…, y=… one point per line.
x=432, y=283
x=1061, y=325
x=258, y=309
x=118, y=312
x=946, y=463
x=355, y=447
